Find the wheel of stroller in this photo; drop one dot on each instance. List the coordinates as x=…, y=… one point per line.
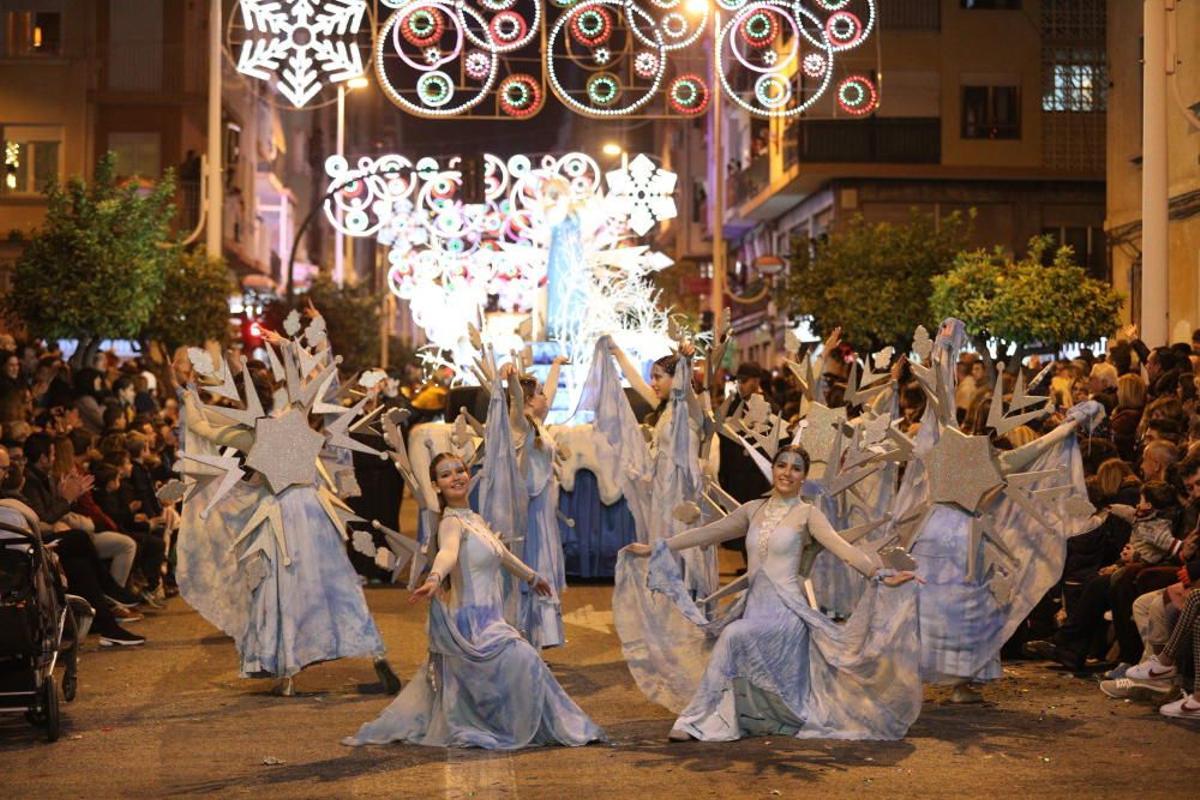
x=70, y=685
x=53, y=721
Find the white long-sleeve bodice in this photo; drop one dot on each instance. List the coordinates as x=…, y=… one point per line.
x=472, y=555
x=777, y=531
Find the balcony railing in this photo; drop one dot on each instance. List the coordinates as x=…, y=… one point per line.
x=746, y=183
x=878, y=140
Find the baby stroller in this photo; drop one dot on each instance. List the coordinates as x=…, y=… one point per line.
x=39, y=622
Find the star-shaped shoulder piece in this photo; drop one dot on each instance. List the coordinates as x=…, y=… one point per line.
x=962, y=470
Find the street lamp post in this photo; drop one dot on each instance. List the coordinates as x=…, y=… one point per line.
x=216, y=187
x=717, y=291
x=1154, y=311
x=340, y=244
x=339, y=238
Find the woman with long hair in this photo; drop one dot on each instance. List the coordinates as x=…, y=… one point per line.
x=482, y=684
x=675, y=452
x=777, y=666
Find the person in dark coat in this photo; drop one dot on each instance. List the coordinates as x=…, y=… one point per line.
x=738, y=474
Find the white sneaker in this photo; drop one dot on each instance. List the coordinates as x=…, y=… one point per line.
x=1151, y=673
x=1183, y=708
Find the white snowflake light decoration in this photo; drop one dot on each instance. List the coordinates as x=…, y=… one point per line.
x=294, y=42
x=642, y=193
x=449, y=260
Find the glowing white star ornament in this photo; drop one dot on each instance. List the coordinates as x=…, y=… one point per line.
x=295, y=42
x=642, y=193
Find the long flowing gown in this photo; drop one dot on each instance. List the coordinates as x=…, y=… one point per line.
x=281, y=616
x=675, y=471
x=777, y=666
x=968, y=609
x=543, y=552
x=482, y=684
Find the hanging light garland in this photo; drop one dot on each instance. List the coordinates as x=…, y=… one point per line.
x=614, y=58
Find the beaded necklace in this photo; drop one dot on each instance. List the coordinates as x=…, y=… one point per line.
x=773, y=514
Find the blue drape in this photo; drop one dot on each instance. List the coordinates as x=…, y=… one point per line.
x=590, y=548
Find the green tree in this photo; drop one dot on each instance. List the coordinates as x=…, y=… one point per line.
x=194, y=305
x=873, y=279
x=95, y=269
x=351, y=318
x=1025, y=304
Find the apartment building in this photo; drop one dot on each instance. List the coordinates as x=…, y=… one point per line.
x=82, y=77
x=1124, y=148
x=996, y=105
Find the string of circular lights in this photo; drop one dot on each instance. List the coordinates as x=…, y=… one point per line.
x=600, y=58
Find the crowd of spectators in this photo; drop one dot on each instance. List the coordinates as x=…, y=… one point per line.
x=84, y=449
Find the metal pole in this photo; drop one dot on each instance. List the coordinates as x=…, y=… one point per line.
x=717, y=295
x=216, y=187
x=339, y=244
x=1155, y=196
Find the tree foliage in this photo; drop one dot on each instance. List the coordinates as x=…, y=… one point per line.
x=95, y=268
x=351, y=318
x=1025, y=303
x=194, y=304
x=873, y=279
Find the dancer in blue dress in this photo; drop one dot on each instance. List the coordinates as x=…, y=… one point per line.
x=482, y=684
x=771, y=664
x=264, y=559
x=542, y=549
x=677, y=476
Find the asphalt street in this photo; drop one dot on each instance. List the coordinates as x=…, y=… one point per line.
x=174, y=719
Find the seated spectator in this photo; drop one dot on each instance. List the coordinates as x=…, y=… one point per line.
x=144, y=401
x=1103, y=381
x=1160, y=671
x=1157, y=458
x=89, y=391
x=1099, y=545
x=151, y=548
x=115, y=420
x=81, y=563
x=1020, y=436
x=1124, y=422
x=1095, y=451
x=1152, y=540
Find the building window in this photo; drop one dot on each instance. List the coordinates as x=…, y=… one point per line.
x=138, y=153
x=32, y=158
x=991, y=112
x=1074, y=63
x=990, y=5
x=1075, y=80
x=33, y=33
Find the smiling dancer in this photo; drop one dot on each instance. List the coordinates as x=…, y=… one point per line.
x=777, y=665
x=482, y=685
